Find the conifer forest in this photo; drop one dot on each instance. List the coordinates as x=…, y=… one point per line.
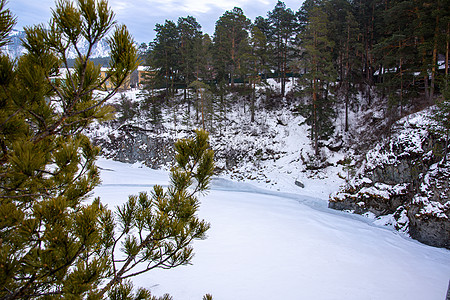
x=336, y=51
x=317, y=135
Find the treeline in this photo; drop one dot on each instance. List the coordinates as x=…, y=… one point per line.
x=337, y=49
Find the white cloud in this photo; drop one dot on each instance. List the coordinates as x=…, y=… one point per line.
x=119, y=6
x=141, y=15
x=187, y=7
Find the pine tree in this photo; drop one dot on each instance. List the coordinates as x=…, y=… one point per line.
x=156, y=231
x=190, y=45
x=126, y=108
x=371, y=27
x=344, y=33
x=399, y=55
x=56, y=242
x=165, y=56
x=264, y=53
x=283, y=26
x=7, y=22
x=320, y=74
x=202, y=95
x=230, y=38
x=258, y=56
x=163, y=72
x=151, y=107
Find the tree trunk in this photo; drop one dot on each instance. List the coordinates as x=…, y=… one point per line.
x=175, y=117
x=233, y=57
x=203, y=115
x=346, y=105
x=401, y=88
x=188, y=109
x=425, y=76
x=315, y=121
x=433, y=68
x=283, y=79
x=314, y=131
x=346, y=74
x=446, y=146
x=196, y=108
x=446, y=53
x=252, y=107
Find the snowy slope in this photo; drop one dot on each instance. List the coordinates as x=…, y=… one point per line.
x=15, y=48
x=101, y=49
x=269, y=152
x=269, y=245
x=274, y=152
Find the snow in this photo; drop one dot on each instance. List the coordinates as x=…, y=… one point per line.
x=16, y=49
x=277, y=165
x=374, y=192
x=264, y=244
x=366, y=180
x=433, y=208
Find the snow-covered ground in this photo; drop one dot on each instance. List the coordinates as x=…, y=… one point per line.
x=279, y=136
x=264, y=244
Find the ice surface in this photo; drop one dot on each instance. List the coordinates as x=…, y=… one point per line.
x=269, y=245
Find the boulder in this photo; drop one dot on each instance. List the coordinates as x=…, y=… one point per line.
x=404, y=171
x=299, y=184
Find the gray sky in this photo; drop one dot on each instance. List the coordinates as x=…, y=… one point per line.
x=140, y=16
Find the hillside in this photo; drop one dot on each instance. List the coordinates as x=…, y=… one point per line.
x=15, y=48
x=275, y=152
x=330, y=125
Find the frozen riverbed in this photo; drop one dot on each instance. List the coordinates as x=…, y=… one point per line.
x=268, y=245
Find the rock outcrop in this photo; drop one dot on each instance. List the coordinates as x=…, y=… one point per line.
x=130, y=144
x=404, y=176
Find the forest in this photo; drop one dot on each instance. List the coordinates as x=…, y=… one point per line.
x=326, y=58
x=338, y=54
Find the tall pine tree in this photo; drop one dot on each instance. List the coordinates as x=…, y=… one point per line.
x=190, y=44
x=319, y=74
x=165, y=57
x=283, y=26
x=230, y=41
x=56, y=242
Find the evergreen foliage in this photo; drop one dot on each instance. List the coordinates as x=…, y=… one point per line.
x=156, y=230
x=343, y=56
x=56, y=242
x=165, y=56
x=127, y=108
x=366, y=54
x=190, y=49
x=7, y=22
x=230, y=43
x=319, y=75
x=283, y=25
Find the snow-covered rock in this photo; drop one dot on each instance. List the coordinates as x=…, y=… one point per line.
x=273, y=152
x=404, y=176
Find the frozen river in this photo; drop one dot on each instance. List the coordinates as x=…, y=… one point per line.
x=268, y=245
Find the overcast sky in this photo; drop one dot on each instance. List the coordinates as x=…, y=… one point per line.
x=140, y=16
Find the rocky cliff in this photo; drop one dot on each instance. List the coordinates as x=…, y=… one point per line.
x=405, y=180
x=131, y=143
x=402, y=180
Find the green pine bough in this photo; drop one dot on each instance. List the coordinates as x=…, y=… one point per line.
x=54, y=241
x=156, y=230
